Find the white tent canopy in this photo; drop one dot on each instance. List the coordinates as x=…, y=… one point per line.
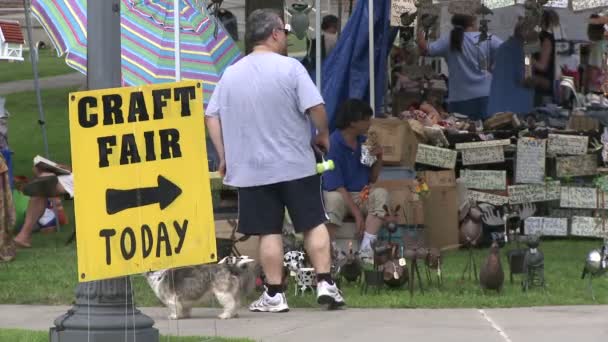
x=575, y=5
x=501, y=23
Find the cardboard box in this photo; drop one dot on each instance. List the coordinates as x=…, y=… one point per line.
x=398, y=141
x=583, y=123
x=402, y=100
x=401, y=193
x=441, y=208
x=445, y=178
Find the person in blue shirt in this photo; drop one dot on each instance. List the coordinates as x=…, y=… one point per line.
x=344, y=186
x=470, y=62
x=509, y=91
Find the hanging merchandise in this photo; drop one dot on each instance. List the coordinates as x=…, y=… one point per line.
x=605, y=145
x=229, y=20
x=428, y=18
x=299, y=18
x=529, y=27
x=399, y=8
x=584, y=5
x=466, y=7
x=484, y=38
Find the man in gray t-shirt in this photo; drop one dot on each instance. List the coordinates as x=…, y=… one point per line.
x=259, y=119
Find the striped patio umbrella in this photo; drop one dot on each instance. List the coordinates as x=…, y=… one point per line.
x=148, y=40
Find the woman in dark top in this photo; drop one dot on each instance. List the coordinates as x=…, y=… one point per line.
x=543, y=65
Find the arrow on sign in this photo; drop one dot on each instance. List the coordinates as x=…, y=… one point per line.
x=164, y=194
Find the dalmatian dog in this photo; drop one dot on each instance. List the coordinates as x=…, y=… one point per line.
x=305, y=279
x=293, y=261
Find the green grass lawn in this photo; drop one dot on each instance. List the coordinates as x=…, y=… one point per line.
x=25, y=135
x=43, y=336
x=48, y=65
x=46, y=274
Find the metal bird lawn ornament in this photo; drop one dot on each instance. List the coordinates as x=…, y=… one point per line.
x=299, y=18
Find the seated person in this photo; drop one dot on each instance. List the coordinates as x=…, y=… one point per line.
x=344, y=184
x=329, y=39
x=45, y=185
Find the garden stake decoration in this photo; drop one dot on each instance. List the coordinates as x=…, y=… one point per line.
x=412, y=257
x=491, y=275
x=517, y=255
x=375, y=276
x=414, y=251
x=595, y=263
x=351, y=269
x=595, y=266
x=391, y=219
x=433, y=265
x=470, y=233
x=534, y=265
x=299, y=18
x=395, y=270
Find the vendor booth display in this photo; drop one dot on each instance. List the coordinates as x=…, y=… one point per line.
x=521, y=174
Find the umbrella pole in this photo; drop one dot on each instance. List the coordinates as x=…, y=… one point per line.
x=318, y=42
x=176, y=28
x=372, y=76
x=34, y=60
x=34, y=57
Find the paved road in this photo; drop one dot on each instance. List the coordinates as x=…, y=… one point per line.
x=61, y=81
x=555, y=324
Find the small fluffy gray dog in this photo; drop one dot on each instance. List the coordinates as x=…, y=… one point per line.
x=182, y=288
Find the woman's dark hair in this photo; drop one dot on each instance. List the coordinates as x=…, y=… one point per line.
x=549, y=19
x=329, y=20
x=595, y=32
x=353, y=110
x=460, y=22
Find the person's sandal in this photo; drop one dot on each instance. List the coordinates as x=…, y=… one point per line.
x=44, y=186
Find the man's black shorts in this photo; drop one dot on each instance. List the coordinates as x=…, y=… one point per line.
x=262, y=208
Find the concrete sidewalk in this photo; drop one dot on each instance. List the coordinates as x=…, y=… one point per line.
x=555, y=324
x=61, y=81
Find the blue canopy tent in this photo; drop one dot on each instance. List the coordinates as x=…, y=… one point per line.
x=346, y=71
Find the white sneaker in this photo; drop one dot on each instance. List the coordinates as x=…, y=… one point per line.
x=265, y=303
x=366, y=255
x=329, y=295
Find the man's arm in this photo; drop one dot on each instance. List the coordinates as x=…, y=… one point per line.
x=214, y=127
x=599, y=20
x=376, y=168
x=354, y=209
x=422, y=43
x=318, y=116
x=437, y=48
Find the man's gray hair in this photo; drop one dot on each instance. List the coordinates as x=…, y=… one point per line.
x=260, y=25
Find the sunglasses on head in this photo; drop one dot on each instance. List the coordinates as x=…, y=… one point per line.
x=286, y=29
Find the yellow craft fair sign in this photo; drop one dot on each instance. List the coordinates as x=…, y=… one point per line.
x=143, y=197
